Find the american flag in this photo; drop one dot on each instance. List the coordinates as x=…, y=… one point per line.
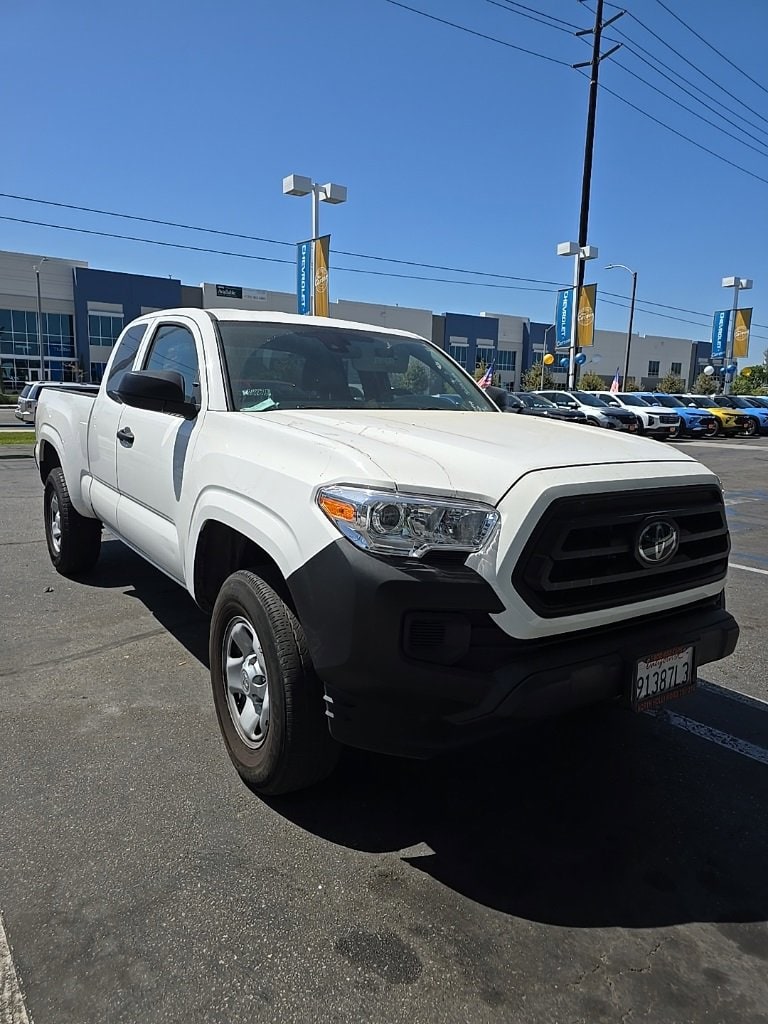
x=487, y=379
x=615, y=383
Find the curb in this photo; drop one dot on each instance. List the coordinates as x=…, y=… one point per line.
x=17, y=451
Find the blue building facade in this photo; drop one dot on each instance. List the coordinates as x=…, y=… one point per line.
x=104, y=302
x=471, y=340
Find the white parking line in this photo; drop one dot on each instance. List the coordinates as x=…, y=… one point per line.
x=12, y=1009
x=747, y=568
x=706, y=732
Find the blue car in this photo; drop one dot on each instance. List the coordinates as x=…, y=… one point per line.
x=693, y=422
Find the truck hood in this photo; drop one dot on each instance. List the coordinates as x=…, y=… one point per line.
x=468, y=454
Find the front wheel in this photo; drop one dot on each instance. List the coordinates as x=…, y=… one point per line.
x=74, y=541
x=268, y=699
x=711, y=430
x=752, y=427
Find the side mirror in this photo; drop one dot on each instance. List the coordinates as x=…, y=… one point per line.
x=161, y=391
x=573, y=405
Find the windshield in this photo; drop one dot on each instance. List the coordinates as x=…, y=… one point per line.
x=25, y=390
x=587, y=399
x=632, y=400
x=699, y=401
x=666, y=400
x=761, y=403
x=293, y=366
x=534, y=401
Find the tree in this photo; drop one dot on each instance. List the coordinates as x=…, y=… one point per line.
x=630, y=384
x=592, y=381
x=416, y=377
x=531, y=378
x=705, y=385
x=672, y=384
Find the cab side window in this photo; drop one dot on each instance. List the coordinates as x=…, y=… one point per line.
x=173, y=348
x=125, y=353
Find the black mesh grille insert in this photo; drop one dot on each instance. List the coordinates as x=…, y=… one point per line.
x=582, y=556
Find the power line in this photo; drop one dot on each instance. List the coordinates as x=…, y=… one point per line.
x=687, y=138
x=513, y=3
x=270, y=259
x=761, y=152
x=713, y=48
x=480, y=35
x=531, y=17
x=651, y=59
x=550, y=286
x=694, y=66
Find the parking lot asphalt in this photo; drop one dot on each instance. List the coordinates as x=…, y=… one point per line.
x=600, y=868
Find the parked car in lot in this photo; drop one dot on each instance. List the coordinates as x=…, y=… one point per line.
x=694, y=422
x=729, y=421
x=526, y=403
x=757, y=401
x=26, y=405
x=382, y=569
x=598, y=413
x=757, y=417
x=653, y=420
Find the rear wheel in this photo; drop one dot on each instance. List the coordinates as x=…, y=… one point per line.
x=74, y=541
x=268, y=699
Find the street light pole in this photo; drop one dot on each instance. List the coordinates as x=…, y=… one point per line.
x=738, y=284
x=620, y=266
x=301, y=185
x=543, y=354
x=36, y=268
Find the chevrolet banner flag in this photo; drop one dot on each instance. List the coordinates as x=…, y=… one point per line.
x=322, y=246
x=741, y=326
x=720, y=325
x=304, y=278
x=585, y=318
x=563, y=317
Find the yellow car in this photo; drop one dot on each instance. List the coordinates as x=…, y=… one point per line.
x=729, y=421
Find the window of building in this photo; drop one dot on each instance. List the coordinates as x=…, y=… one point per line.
x=676, y=369
x=653, y=368
x=104, y=328
x=173, y=348
x=459, y=352
x=506, y=360
x=484, y=354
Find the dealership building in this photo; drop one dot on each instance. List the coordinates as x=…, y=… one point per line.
x=82, y=311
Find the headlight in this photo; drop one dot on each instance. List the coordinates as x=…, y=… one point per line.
x=392, y=523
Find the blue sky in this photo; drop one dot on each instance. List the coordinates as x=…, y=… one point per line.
x=456, y=151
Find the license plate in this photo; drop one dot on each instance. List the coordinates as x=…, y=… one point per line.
x=632, y=427
x=663, y=676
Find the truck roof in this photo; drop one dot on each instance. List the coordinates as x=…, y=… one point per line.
x=270, y=316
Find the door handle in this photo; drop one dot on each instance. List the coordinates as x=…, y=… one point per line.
x=125, y=437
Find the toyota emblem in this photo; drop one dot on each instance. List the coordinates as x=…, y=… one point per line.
x=657, y=542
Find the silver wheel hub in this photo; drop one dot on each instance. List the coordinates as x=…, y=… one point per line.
x=55, y=514
x=246, y=683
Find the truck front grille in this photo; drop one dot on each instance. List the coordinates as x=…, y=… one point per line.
x=582, y=556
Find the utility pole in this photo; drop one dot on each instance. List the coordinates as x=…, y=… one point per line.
x=589, y=141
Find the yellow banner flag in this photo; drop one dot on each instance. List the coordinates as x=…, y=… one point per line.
x=585, y=319
x=741, y=326
x=322, y=247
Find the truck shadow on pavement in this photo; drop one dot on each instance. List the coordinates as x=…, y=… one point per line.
x=601, y=819
x=595, y=820
x=118, y=567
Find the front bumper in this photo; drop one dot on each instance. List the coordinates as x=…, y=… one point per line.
x=412, y=662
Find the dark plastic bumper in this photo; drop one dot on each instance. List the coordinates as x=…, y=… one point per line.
x=413, y=664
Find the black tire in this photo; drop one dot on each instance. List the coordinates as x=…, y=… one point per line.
x=593, y=422
x=752, y=427
x=74, y=541
x=295, y=749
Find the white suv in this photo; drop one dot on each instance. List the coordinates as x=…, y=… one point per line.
x=655, y=420
x=26, y=406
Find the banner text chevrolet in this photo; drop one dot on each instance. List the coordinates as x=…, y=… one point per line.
x=389, y=562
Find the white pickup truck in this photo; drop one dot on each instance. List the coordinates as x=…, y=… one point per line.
x=389, y=561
